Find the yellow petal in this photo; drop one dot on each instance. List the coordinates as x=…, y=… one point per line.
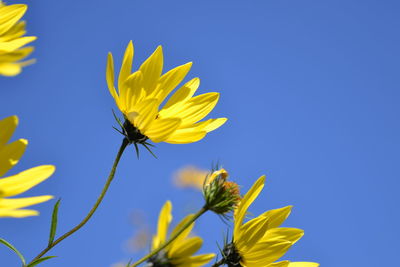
x=134, y=91
x=283, y=233
x=186, y=248
x=159, y=130
x=16, y=43
x=23, y=181
x=126, y=67
x=182, y=95
x=16, y=203
x=253, y=232
x=14, y=32
x=196, y=108
x=248, y=198
x=264, y=253
x=143, y=114
x=9, y=15
x=277, y=216
x=16, y=55
x=7, y=126
x=179, y=137
x=170, y=80
x=164, y=220
x=184, y=233
x=10, y=155
x=110, y=78
x=152, y=69
x=18, y=213
x=10, y=69
x=199, y=260
x=279, y=264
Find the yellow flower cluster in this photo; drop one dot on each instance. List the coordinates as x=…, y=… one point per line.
x=12, y=40
x=21, y=182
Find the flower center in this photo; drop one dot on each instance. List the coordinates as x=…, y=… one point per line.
x=133, y=134
x=232, y=256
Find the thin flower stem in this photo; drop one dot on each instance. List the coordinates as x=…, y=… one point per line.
x=95, y=206
x=172, y=238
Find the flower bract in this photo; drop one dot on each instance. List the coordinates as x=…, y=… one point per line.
x=13, y=185
x=141, y=95
x=12, y=39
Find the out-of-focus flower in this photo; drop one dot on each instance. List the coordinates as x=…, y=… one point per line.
x=221, y=196
x=141, y=93
x=190, y=176
x=180, y=252
x=12, y=39
x=260, y=241
x=21, y=182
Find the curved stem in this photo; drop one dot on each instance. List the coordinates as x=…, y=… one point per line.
x=95, y=206
x=172, y=238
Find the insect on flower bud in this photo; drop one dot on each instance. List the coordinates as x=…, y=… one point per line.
x=221, y=195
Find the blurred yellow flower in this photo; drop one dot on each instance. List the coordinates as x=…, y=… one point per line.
x=260, y=242
x=141, y=93
x=21, y=182
x=179, y=252
x=190, y=176
x=12, y=39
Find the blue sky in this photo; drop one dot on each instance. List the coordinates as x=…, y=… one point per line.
x=311, y=90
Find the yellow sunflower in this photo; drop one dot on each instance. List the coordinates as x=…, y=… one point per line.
x=180, y=252
x=12, y=39
x=21, y=182
x=260, y=242
x=142, y=93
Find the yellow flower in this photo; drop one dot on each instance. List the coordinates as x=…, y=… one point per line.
x=179, y=252
x=12, y=39
x=190, y=176
x=260, y=242
x=141, y=93
x=21, y=182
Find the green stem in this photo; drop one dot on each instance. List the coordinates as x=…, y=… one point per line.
x=172, y=238
x=95, y=206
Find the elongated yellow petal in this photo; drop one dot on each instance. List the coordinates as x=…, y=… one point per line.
x=279, y=264
x=134, y=91
x=250, y=196
x=182, y=95
x=252, y=235
x=198, y=260
x=16, y=43
x=16, y=55
x=9, y=16
x=164, y=220
x=10, y=155
x=16, y=203
x=283, y=233
x=7, y=128
x=183, y=235
x=110, y=78
x=277, y=216
x=126, y=67
x=152, y=69
x=10, y=69
x=23, y=181
x=170, y=80
x=144, y=114
x=14, y=32
x=185, y=249
x=18, y=213
x=179, y=137
x=265, y=253
x=159, y=130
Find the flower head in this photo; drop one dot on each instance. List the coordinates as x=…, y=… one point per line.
x=12, y=39
x=180, y=252
x=260, y=241
x=140, y=96
x=21, y=182
x=221, y=196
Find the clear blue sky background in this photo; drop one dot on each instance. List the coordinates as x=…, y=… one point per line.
x=311, y=90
